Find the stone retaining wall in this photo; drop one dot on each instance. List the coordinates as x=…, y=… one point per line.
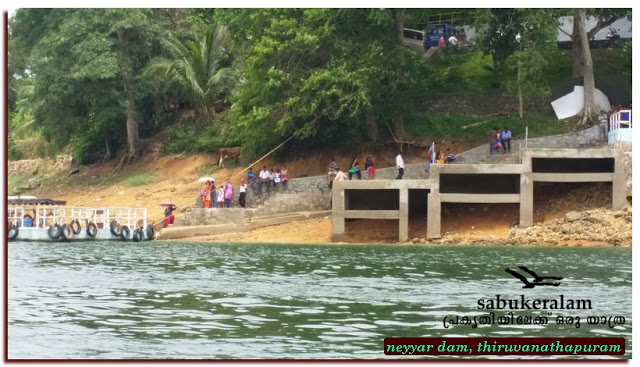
x=478, y=104
x=581, y=139
x=23, y=166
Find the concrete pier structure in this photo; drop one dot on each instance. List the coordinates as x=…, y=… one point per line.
x=474, y=183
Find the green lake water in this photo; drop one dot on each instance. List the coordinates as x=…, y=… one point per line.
x=159, y=300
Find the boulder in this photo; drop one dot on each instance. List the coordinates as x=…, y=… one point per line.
x=572, y=216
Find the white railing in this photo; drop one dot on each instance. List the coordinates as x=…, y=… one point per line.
x=44, y=216
x=620, y=126
x=620, y=120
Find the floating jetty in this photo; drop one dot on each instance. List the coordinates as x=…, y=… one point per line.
x=32, y=219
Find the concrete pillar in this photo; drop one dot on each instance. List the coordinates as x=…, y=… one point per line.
x=619, y=184
x=337, y=218
x=433, y=214
x=403, y=230
x=526, y=200
x=526, y=190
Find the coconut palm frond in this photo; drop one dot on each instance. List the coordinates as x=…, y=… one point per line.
x=196, y=69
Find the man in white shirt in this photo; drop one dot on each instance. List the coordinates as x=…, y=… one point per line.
x=400, y=165
x=264, y=178
x=243, y=193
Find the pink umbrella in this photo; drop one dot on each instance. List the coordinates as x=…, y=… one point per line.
x=167, y=203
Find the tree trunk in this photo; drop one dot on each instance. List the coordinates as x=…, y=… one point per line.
x=398, y=127
x=399, y=20
x=107, y=155
x=520, y=107
x=372, y=126
x=576, y=45
x=127, y=78
x=590, y=110
x=132, y=124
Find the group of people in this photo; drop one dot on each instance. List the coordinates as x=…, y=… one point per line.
x=268, y=179
x=499, y=140
x=335, y=174
x=439, y=158
x=453, y=41
x=222, y=197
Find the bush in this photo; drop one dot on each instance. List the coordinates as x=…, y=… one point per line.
x=138, y=179
x=469, y=71
x=13, y=153
x=192, y=135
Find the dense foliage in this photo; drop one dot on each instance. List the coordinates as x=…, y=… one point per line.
x=99, y=82
x=315, y=73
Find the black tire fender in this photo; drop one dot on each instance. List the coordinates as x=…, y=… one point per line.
x=67, y=232
x=54, y=231
x=116, y=230
x=75, y=226
x=137, y=235
x=92, y=230
x=125, y=232
x=151, y=233
x=13, y=232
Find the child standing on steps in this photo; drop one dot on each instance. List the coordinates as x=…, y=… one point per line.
x=283, y=176
x=276, y=178
x=220, y=200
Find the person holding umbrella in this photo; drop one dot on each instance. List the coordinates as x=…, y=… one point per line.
x=168, y=212
x=206, y=195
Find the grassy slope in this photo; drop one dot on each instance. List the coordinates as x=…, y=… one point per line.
x=437, y=127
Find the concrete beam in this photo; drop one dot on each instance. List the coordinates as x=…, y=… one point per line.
x=496, y=169
x=480, y=198
x=568, y=153
x=433, y=214
x=381, y=184
x=572, y=177
x=372, y=214
x=403, y=230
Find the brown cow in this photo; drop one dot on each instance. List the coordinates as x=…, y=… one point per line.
x=228, y=152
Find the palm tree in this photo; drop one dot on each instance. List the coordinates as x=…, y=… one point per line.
x=22, y=122
x=196, y=70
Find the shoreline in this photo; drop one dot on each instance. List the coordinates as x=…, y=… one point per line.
x=590, y=228
x=201, y=239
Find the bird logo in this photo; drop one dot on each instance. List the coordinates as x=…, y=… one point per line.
x=537, y=280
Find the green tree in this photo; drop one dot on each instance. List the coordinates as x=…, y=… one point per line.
x=197, y=70
x=590, y=110
x=86, y=64
x=604, y=17
x=321, y=75
x=516, y=38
